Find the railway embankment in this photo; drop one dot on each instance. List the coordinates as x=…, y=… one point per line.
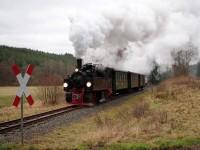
x=33, y=129
x=163, y=117
x=166, y=116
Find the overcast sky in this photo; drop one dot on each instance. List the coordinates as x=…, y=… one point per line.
x=126, y=34
x=41, y=24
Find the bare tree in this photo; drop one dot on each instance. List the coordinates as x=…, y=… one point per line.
x=182, y=58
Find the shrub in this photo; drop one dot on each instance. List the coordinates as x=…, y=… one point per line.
x=49, y=91
x=49, y=94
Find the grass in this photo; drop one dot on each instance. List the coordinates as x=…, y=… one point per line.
x=8, y=90
x=118, y=146
x=8, y=147
x=9, y=112
x=8, y=93
x=129, y=146
x=167, y=116
x=68, y=136
x=178, y=143
x=159, y=144
x=5, y=101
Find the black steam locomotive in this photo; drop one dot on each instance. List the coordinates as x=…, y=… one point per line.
x=93, y=84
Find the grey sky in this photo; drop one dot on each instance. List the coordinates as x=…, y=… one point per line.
x=40, y=24
x=102, y=30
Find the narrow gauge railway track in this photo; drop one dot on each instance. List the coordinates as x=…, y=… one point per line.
x=30, y=120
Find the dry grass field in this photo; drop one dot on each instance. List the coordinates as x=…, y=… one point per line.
x=7, y=94
x=9, y=112
x=165, y=116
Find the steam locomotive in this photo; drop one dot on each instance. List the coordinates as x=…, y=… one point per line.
x=93, y=83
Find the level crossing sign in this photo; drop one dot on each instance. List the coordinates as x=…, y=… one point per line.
x=23, y=84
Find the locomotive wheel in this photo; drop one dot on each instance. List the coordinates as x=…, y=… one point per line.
x=68, y=97
x=98, y=97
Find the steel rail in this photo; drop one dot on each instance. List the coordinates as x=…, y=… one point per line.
x=30, y=120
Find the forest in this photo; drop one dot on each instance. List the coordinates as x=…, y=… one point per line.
x=49, y=69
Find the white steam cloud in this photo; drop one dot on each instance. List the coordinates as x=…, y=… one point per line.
x=129, y=35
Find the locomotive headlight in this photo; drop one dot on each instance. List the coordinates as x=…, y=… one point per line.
x=76, y=70
x=88, y=84
x=65, y=85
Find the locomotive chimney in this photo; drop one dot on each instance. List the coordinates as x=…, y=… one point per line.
x=79, y=63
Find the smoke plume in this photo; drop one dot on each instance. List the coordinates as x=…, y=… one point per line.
x=128, y=36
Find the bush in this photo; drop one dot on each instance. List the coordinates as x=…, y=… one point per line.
x=49, y=94
x=49, y=91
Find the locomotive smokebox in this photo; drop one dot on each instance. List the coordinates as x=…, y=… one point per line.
x=79, y=63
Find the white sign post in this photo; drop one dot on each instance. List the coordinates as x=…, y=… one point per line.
x=22, y=120
x=23, y=90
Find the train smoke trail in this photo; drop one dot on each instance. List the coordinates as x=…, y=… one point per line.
x=129, y=35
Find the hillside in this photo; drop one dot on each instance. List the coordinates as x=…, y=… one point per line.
x=23, y=56
x=164, y=116
x=45, y=63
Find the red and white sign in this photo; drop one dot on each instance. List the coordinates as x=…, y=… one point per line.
x=23, y=84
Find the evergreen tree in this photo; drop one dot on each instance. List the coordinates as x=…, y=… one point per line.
x=53, y=65
x=155, y=77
